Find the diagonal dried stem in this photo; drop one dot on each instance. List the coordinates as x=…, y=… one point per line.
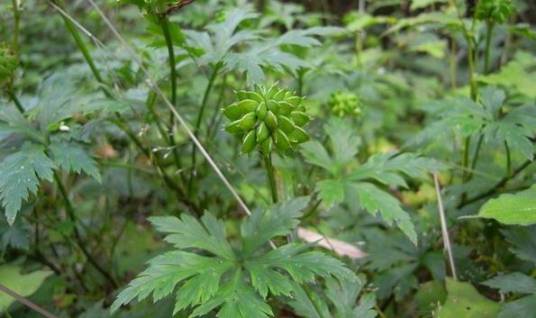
x=444, y=230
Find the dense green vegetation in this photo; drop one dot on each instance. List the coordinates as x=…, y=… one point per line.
x=232, y=158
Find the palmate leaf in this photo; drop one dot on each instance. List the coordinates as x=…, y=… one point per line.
x=236, y=282
x=512, y=209
x=20, y=173
x=375, y=200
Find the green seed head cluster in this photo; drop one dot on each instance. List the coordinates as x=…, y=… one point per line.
x=497, y=11
x=267, y=118
x=8, y=63
x=345, y=104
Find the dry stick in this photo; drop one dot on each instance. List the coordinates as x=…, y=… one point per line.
x=26, y=302
x=444, y=230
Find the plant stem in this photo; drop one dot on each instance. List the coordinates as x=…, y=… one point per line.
x=270, y=171
x=490, y=25
x=79, y=240
x=465, y=159
x=508, y=159
x=15, y=100
x=83, y=48
x=476, y=153
x=164, y=24
x=16, y=27
x=496, y=187
x=453, y=64
x=199, y=120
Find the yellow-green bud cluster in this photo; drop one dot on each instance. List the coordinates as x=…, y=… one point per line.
x=8, y=63
x=345, y=104
x=266, y=118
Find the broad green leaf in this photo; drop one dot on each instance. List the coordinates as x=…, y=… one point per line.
x=20, y=173
x=376, y=201
x=463, y=300
x=22, y=284
x=523, y=241
x=73, y=158
x=513, y=283
x=512, y=209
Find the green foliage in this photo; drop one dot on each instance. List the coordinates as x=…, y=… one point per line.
x=516, y=283
x=23, y=284
x=463, y=300
x=19, y=177
x=237, y=281
x=347, y=181
x=497, y=11
x=512, y=209
x=8, y=63
x=91, y=154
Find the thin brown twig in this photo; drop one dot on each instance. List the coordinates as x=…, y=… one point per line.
x=25, y=301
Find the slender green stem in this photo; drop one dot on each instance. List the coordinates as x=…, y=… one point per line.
x=453, y=64
x=16, y=28
x=477, y=152
x=270, y=171
x=465, y=159
x=487, y=52
x=83, y=48
x=198, y=121
x=217, y=113
x=164, y=24
x=15, y=100
x=508, y=159
x=80, y=242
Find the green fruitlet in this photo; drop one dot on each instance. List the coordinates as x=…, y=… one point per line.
x=8, y=63
x=267, y=117
x=345, y=104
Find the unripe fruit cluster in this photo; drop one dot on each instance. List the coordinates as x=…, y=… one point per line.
x=267, y=118
x=345, y=104
x=8, y=63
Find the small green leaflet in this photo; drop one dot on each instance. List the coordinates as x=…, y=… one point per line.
x=236, y=282
x=72, y=157
x=516, y=283
x=19, y=177
x=512, y=209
